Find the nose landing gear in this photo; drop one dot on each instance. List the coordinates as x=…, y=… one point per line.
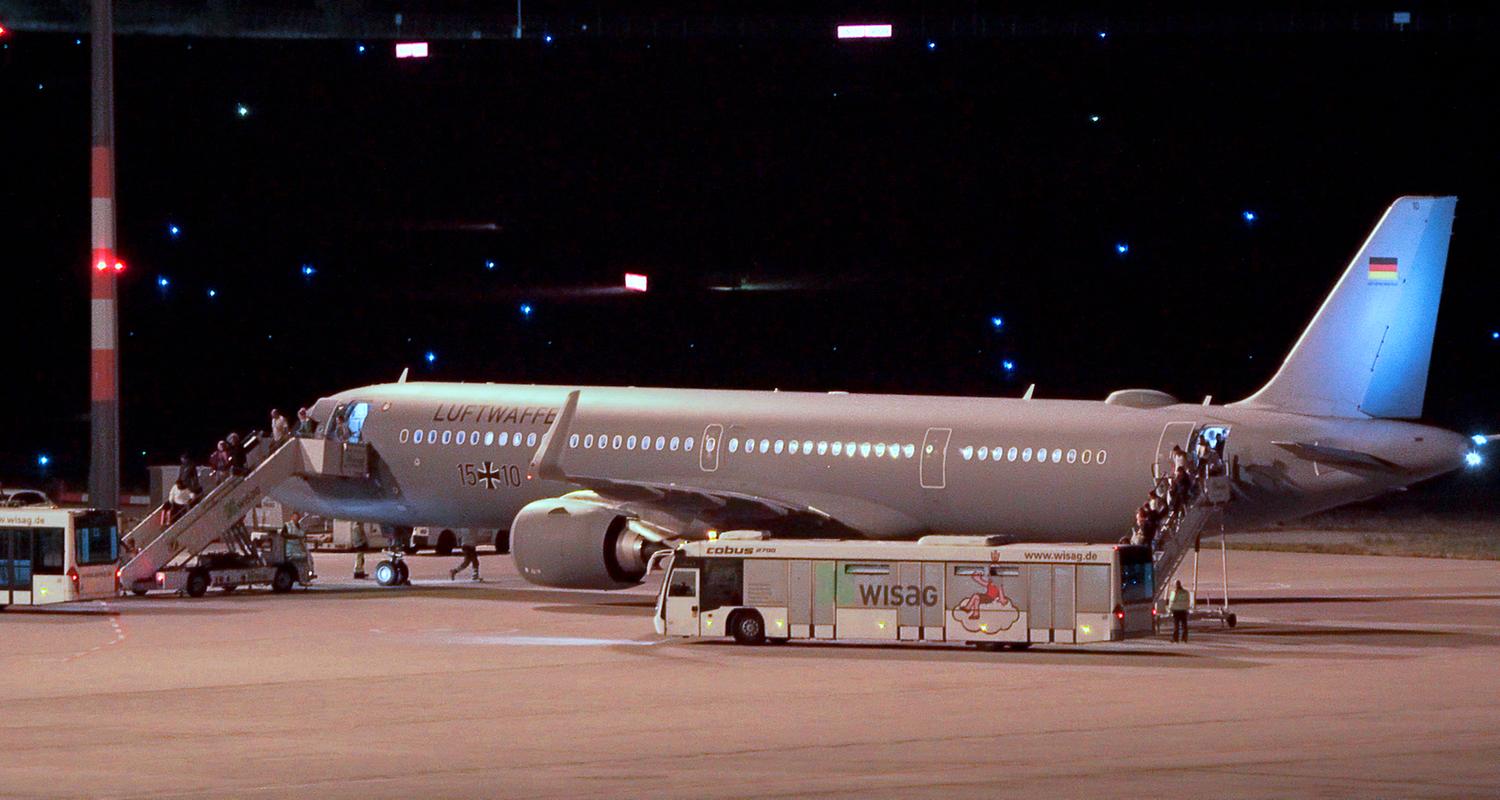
x=393, y=571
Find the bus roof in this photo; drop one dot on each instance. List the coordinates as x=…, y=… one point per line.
x=40, y=517
x=946, y=548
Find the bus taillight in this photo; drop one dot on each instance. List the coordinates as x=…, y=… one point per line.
x=1120, y=612
x=73, y=576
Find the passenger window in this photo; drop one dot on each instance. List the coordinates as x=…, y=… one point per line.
x=1072, y=456
x=1026, y=454
x=1102, y=455
x=879, y=450
x=676, y=440
x=531, y=439
x=1088, y=456
x=895, y=450
x=983, y=454
x=793, y=446
x=780, y=445
x=867, y=569
x=1010, y=455
x=447, y=437
x=684, y=585
x=489, y=438
x=405, y=434
x=461, y=438
x=614, y=443
x=823, y=448
x=849, y=449
x=630, y=443
x=765, y=445
x=572, y=441
x=734, y=445
x=687, y=444
x=838, y=448
x=807, y=446
x=661, y=443
x=474, y=437
x=909, y=450
x=588, y=441
x=709, y=443
x=515, y=439
x=1057, y=455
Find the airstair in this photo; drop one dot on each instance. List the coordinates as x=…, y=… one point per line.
x=1181, y=532
x=218, y=518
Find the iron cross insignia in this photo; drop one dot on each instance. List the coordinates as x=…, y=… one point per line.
x=489, y=475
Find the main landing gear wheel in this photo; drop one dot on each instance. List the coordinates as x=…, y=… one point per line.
x=748, y=628
x=1231, y=620
x=403, y=573
x=386, y=573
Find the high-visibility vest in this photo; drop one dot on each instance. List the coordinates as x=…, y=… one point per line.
x=1181, y=599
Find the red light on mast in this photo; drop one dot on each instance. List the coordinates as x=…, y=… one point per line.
x=119, y=266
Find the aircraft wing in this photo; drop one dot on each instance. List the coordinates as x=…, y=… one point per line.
x=725, y=507
x=1339, y=458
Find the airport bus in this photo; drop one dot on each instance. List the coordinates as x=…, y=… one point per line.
x=969, y=589
x=57, y=555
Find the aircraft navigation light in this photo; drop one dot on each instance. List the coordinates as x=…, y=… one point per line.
x=212, y=293
x=359, y=47
x=174, y=230
x=308, y=270
x=411, y=49
x=1094, y=118
x=162, y=282
x=43, y=459
x=931, y=45
x=525, y=309
x=865, y=31
x=1008, y=365
x=242, y=110
x=1103, y=34
x=547, y=38
x=430, y=356
x=1247, y=215
x=997, y=323
x=1495, y=334
x=1473, y=459
x=1122, y=247
x=635, y=281
x=1480, y=439
x=489, y=265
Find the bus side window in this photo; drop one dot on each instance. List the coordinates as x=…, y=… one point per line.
x=683, y=586
x=723, y=583
x=49, y=551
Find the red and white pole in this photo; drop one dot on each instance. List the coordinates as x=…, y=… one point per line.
x=104, y=384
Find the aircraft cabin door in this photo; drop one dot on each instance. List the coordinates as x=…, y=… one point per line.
x=933, y=467
x=713, y=439
x=682, y=603
x=1173, y=433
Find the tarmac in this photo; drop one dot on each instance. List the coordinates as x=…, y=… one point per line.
x=1347, y=676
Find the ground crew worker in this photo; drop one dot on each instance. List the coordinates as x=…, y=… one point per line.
x=359, y=542
x=471, y=557
x=1178, y=604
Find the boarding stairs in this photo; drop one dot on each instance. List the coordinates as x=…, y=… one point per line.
x=218, y=517
x=1181, y=533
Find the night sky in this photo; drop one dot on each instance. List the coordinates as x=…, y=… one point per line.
x=902, y=218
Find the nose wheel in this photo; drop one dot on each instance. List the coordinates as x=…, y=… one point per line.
x=393, y=571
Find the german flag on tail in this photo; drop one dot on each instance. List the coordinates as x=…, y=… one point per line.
x=1383, y=270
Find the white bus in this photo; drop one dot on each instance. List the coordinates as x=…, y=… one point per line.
x=939, y=588
x=57, y=555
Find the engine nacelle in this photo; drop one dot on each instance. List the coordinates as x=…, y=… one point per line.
x=574, y=543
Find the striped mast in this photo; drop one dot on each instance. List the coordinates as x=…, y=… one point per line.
x=104, y=385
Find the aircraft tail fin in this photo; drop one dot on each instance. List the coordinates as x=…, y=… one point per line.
x=1367, y=351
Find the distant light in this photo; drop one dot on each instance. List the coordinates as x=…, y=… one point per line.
x=1495, y=334
x=161, y=281
x=635, y=282
x=40, y=87
x=309, y=270
x=865, y=31
x=1122, y=248
x=1094, y=118
x=411, y=49
x=525, y=309
x=997, y=323
x=43, y=460
x=1401, y=17
x=1103, y=34
x=931, y=45
x=174, y=230
x=1480, y=439
x=3, y=31
x=1473, y=459
x=547, y=38
x=1008, y=365
x=77, y=41
x=212, y=293
x=489, y=265
x=430, y=356
x=1247, y=215
x=242, y=110
x=359, y=47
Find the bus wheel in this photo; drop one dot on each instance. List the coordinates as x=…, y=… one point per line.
x=748, y=627
x=283, y=580
x=229, y=587
x=386, y=574
x=1231, y=620
x=138, y=592
x=197, y=584
x=1019, y=646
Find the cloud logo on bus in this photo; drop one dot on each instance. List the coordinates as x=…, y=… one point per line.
x=987, y=610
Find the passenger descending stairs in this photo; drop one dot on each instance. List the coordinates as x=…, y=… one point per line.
x=218, y=516
x=1179, y=534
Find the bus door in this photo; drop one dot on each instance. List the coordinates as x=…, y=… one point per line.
x=1051, y=602
x=15, y=566
x=682, y=602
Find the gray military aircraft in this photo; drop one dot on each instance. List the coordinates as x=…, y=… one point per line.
x=590, y=480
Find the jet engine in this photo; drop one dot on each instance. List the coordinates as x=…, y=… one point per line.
x=576, y=543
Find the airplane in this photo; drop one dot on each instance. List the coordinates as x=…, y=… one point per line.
x=591, y=480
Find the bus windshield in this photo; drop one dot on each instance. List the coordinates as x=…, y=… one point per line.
x=98, y=539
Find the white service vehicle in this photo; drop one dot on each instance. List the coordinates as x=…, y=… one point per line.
x=24, y=498
x=57, y=555
x=444, y=541
x=939, y=588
